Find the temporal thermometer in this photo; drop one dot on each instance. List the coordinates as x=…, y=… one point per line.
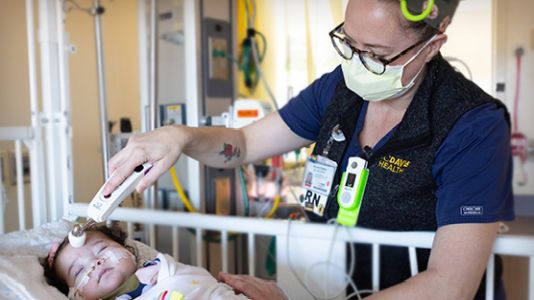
x=102, y=205
x=351, y=189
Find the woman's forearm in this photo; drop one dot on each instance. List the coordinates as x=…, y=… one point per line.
x=216, y=147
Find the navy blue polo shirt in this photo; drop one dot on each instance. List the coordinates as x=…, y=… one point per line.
x=472, y=168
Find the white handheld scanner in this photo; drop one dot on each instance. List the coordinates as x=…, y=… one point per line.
x=101, y=206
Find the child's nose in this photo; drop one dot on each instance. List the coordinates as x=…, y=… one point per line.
x=100, y=261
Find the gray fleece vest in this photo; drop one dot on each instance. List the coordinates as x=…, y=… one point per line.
x=401, y=192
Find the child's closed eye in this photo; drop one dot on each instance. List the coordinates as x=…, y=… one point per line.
x=102, y=249
x=78, y=272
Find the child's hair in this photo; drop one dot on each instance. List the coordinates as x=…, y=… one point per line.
x=114, y=232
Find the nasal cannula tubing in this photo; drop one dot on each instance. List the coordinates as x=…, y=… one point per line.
x=110, y=255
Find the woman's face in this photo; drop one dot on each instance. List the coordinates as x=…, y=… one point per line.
x=98, y=268
x=376, y=26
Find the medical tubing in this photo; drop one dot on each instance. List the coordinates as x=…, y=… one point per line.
x=289, y=261
x=356, y=292
x=244, y=191
x=180, y=191
x=273, y=210
x=328, y=263
x=348, y=276
x=75, y=6
x=261, y=55
x=516, y=93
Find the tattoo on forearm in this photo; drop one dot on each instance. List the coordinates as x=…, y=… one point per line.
x=229, y=152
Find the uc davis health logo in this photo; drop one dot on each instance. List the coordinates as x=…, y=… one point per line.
x=394, y=164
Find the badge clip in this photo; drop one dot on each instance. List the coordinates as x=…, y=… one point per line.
x=336, y=135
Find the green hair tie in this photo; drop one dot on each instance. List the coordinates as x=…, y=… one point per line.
x=416, y=18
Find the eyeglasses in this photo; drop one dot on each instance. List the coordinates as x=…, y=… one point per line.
x=372, y=62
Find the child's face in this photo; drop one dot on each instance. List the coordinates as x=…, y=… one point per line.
x=97, y=268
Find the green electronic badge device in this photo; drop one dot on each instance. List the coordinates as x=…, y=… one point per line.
x=351, y=189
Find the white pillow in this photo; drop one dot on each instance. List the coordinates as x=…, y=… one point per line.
x=37, y=241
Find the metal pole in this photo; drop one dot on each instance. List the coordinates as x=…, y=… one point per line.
x=143, y=64
x=153, y=64
x=20, y=185
x=192, y=94
x=104, y=130
x=2, y=203
x=50, y=103
x=64, y=126
x=153, y=88
x=36, y=147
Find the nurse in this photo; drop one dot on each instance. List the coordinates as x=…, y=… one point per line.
x=437, y=148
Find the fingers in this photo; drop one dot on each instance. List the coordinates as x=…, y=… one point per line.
x=241, y=284
x=157, y=170
x=157, y=147
x=253, y=287
x=123, y=166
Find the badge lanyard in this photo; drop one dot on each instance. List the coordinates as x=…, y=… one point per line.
x=319, y=176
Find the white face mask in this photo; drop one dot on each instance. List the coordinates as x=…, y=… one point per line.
x=372, y=87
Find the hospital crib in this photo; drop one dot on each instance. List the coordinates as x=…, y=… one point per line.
x=506, y=245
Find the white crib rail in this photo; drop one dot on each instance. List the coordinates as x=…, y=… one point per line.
x=505, y=245
x=18, y=135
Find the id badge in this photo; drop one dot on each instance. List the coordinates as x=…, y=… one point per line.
x=317, y=183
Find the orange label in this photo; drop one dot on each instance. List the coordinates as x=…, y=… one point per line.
x=248, y=113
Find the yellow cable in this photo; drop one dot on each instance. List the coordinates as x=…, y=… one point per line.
x=180, y=191
x=270, y=214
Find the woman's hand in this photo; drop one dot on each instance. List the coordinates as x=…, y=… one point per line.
x=252, y=287
x=161, y=147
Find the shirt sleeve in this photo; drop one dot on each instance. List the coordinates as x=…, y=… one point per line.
x=473, y=170
x=303, y=113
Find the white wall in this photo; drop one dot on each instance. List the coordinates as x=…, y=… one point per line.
x=120, y=47
x=471, y=40
x=515, y=27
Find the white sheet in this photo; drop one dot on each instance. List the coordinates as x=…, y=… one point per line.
x=190, y=281
x=21, y=277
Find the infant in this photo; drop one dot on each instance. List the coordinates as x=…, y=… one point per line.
x=106, y=268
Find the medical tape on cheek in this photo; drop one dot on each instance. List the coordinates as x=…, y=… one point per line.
x=113, y=257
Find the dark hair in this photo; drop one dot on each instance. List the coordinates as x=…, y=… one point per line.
x=114, y=232
x=422, y=29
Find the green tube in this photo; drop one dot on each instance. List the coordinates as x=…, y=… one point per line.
x=244, y=192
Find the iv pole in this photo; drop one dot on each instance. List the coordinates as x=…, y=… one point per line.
x=97, y=12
